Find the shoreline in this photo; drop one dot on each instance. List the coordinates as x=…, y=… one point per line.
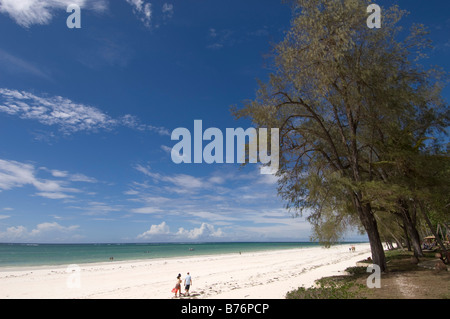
x=266, y=274
x=24, y=266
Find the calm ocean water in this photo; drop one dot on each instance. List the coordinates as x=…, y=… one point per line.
x=60, y=254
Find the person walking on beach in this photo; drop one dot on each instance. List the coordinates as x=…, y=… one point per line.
x=187, y=284
x=177, y=286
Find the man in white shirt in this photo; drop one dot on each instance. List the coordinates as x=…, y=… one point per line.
x=187, y=284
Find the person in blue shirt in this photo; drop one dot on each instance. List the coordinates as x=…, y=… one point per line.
x=187, y=284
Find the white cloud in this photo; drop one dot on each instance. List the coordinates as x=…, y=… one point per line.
x=13, y=233
x=40, y=12
x=217, y=179
x=57, y=173
x=81, y=178
x=167, y=10
x=221, y=195
x=71, y=177
x=54, y=195
x=206, y=215
x=133, y=122
x=146, y=210
x=146, y=171
x=59, y=111
x=29, y=12
x=215, y=46
x=69, y=116
x=242, y=202
x=142, y=10
x=16, y=66
x=179, y=183
x=52, y=227
x=167, y=7
x=203, y=232
x=174, y=154
x=220, y=38
x=42, y=231
x=212, y=33
x=98, y=208
x=155, y=230
x=15, y=174
x=184, y=181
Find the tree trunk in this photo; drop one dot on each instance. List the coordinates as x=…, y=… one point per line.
x=408, y=242
x=397, y=241
x=411, y=228
x=370, y=225
x=413, y=235
x=436, y=235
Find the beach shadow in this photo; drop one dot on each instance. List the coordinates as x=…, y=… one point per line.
x=193, y=295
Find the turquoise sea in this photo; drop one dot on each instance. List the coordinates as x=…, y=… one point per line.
x=13, y=255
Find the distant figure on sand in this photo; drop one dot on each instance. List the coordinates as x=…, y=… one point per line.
x=187, y=284
x=177, y=286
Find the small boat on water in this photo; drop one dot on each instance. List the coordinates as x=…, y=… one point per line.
x=191, y=249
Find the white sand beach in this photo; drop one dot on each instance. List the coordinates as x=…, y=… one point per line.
x=258, y=275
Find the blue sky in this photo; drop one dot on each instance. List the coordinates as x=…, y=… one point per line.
x=86, y=116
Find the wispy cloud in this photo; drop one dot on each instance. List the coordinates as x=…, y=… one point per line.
x=71, y=177
x=42, y=230
x=95, y=208
x=29, y=12
x=69, y=116
x=167, y=10
x=104, y=51
x=59, y=111
x=229, y=37
x=162, y=232
x=14, y=65
x=227, y=204
x=143, y=10
x=227, y=197
x=150, y=16
x=133, y=122
x=178, y=183
x=217, y=39
x=15, y=174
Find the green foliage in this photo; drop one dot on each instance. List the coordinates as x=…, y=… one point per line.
x=358, y=270
x=328, y=288
x=361, y=122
